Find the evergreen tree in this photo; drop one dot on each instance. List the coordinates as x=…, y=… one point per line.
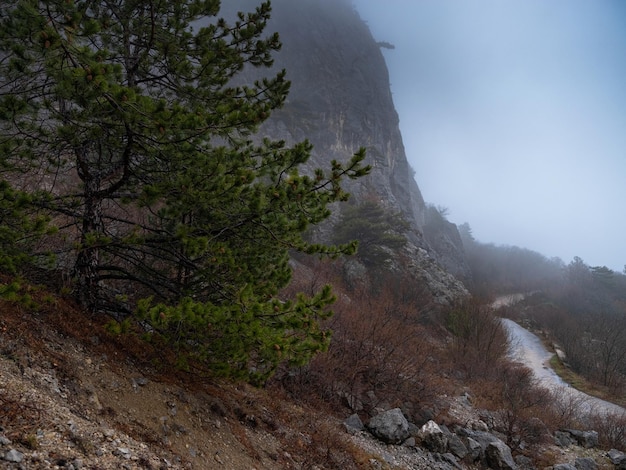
x=126, y=117
x=20, y=230
x=377, y=230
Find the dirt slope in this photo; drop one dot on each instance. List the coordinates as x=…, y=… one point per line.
x=73, y=396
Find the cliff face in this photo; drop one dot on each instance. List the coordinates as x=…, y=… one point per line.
x=340, y=97
x=341, y=100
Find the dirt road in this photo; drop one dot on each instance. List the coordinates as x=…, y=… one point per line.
x=527, y=348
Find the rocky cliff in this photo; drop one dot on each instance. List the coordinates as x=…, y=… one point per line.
x=341, y=100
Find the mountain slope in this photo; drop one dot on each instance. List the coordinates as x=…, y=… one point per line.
x=340, y=100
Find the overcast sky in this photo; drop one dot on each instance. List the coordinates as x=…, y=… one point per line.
x=513, y=114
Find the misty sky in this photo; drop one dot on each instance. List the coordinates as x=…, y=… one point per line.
x=513, y=114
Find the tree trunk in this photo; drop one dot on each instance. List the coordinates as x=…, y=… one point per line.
x=88, y=259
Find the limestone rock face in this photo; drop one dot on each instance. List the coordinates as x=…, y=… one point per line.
x=341, y=100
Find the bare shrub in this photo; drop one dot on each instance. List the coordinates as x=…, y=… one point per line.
x=380, y=350
x=518, y=401
x=611, y=428
x=565, y=408
x=479, y=339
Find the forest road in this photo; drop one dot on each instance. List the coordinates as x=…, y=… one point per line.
x=526, y=348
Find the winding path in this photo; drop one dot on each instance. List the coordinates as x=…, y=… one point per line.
x=526, y=348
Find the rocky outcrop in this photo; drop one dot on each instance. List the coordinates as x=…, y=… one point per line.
x=469, y=447
x=340, y=100
x=450, y=449
x=585, y=439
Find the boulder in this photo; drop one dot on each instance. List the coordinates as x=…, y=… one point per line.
x=485, y=446
x=353, y=424
x=456, y=446
x=449, y=460
x=563, y=466
x=585, y=463
x=474, y=449
x=587, y=439
x=14, y=456
x=483, y=438
x=617, y=458
x=564, y=439
x=413, y=429
x=498, y=456
x=390, y=426
x=524, y=463
x=433, y=438
x=410, y=442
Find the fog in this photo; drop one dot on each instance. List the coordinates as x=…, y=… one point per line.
x=513, y=115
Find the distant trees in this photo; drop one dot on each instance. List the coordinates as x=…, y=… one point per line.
x=505, y=269
x=120, y=123
x=586, y=314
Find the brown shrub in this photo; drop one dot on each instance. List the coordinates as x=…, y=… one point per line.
x=565, y=409
x=380, y=352
x=611, y=430
x=518, y=401
x=479, y=342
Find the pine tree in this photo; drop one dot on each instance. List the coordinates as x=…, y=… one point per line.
x=378, y=231
x=20, y=231
x=126, y=117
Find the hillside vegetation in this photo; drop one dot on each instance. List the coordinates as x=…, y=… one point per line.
x=166, y=299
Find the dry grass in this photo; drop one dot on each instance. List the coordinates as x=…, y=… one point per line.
x=29, y=335
x=580, y=383
x=21, y=417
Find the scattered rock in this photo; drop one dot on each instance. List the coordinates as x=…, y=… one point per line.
x=450, y=460
x=353, y=424
x=483, y=438
x=587, y=439
x=498, y=456
x=474, y=449
x=585, y=463
x=122, y=452
x=524, y=463
x=617, y=458
x=564, y=439
x=137, y=382
x=14, y=456
x=563, y=466
x=390, y=426
x=456, y=446
x=433, y=438
x=410, y=442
